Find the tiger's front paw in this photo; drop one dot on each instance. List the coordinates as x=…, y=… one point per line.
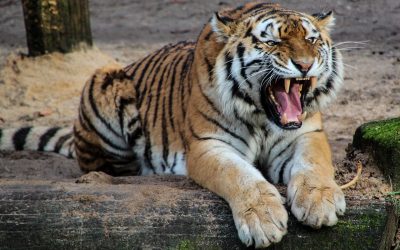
x=315, y=201
x=260, y=217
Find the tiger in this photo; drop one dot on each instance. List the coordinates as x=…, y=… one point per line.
x=237, y=111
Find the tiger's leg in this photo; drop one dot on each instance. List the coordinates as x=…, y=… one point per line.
x=108, y=125
x=257, y=206
x=313, y=195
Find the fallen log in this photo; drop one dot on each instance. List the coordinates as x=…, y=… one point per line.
x=160, y=213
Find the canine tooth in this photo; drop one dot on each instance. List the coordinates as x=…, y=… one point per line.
x=284, y=119
x=300, y=87
x=302, y=117
x=287, y=85
x=313, y=82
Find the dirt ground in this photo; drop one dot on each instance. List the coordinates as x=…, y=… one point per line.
x=45, y=90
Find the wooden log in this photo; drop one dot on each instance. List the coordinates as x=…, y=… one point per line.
x=160, y=213
x=56, y=25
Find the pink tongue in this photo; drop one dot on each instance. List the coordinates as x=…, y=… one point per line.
x=289, y=103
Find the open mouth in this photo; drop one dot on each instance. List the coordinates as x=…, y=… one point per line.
x=284, y=100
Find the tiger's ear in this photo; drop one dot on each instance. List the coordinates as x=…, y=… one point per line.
x=325, y=20
x=222, y=26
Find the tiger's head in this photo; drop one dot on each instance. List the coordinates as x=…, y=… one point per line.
x=275, y=61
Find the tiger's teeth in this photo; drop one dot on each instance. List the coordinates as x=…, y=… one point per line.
x=302, y=117
x=313, y=82
x=302, y=79
x=287, y=85
x=300, y=87
x=284, y=119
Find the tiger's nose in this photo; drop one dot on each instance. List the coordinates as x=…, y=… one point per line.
x=301, y=65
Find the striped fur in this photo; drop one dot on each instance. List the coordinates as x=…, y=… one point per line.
x=55, y=139
x=197, y=109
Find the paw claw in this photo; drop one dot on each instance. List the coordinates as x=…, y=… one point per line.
x=315, y=202
x=261, y=221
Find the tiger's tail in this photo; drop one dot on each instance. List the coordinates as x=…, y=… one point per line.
x=49, y=139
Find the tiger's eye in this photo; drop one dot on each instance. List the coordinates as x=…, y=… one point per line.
x=272, y=43
x=312, y=40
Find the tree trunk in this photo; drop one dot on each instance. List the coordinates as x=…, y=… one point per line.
x=56, y=25
x=381, y=139
x=161, y=213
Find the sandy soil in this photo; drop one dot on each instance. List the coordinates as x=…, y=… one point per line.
x=45, y=90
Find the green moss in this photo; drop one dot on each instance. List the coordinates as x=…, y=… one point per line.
x=197, y=243
x=382, y=140
x=394, y=198
x=186, y=245
x=386, y=133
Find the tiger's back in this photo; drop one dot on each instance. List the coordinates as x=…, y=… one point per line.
x=130, y=119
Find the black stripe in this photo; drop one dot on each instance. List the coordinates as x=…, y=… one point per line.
x=61, y=141
x=147, y=151
x=96, y=111
x=256, y=61
x=96, y=150
x=123, y=102
x=185, y=71
x=174, y=164
x=249, y=126
x=158, y=91
x=70, y=151
x=19, y=138
x=211, y=103
x=240, y=94
x=275, y=143
x=111, y=76
x=136, y=66
x=196, y=136
x=223, y=19
x=164, y=135
x=144, y=71
x=255, y=7
x=236, y=92
x=134, y=136
x=207, y=37
x=241, y=49
x=260, y=17
x=103, y=137
x=329, y=84
x=171, y=92
x=210, y=69
x=156, y=69
x=248, y=32
x=292, y=142
x=108, y=80
x=283, y=167
x=45, y=138
x=224, y=128
x=87, y=160
x=133, y=121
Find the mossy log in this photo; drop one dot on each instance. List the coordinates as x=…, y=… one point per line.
x=56, y=25
x=382, y=140
x=160, y=213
